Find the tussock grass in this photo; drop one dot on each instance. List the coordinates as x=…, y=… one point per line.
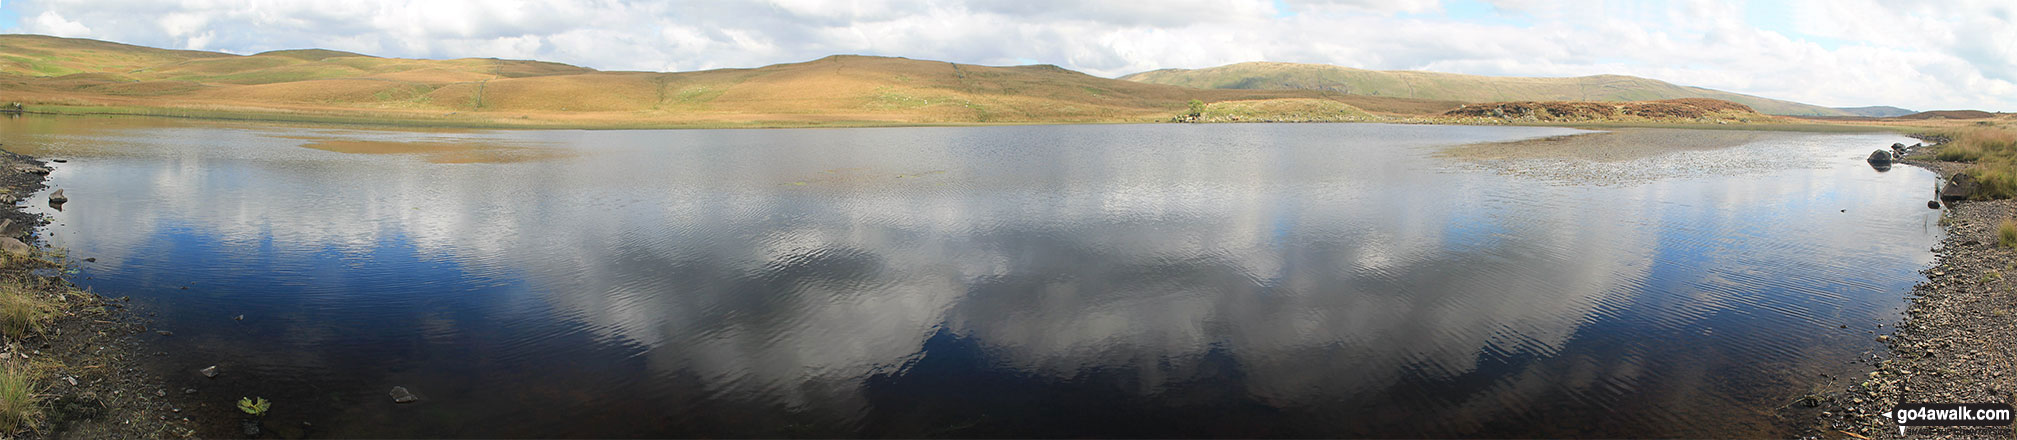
x=22, y=312
x=1993, y=150
x=2006, y=233
x=20, y=403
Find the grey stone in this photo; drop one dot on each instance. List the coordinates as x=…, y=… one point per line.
x=401, y=395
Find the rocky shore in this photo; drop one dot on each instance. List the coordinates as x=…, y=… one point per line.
x=83, y=364
x=1957, y=342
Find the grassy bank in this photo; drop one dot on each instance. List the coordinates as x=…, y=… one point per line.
x=27, y=306
x=1990, y=149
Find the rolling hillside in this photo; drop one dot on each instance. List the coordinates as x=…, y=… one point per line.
x=73, y=73
x=1876, y=111
x=1455, y=87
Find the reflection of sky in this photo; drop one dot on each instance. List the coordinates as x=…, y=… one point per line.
x=770, y=273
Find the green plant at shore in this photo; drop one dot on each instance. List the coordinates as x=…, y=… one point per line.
x=2006, y=233
x=1197, y=108
x=19, y=403
x=256, y=406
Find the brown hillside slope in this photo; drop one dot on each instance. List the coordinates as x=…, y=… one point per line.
x=836, y=89
x=1456, y=87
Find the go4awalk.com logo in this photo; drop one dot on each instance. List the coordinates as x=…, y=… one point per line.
x=1949, y=414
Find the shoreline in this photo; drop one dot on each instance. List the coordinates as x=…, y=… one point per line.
x=1954, y=344
x=84, y=365
x=512, y=121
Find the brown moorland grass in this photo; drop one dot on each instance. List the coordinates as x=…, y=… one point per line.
x=1992, y=149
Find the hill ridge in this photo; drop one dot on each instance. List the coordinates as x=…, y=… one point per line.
x=1457, y=86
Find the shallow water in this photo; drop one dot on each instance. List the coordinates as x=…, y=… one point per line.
x=1332, y=280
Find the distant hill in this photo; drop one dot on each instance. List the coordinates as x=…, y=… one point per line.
x=1877, y=111
x=842, y=88
x=1455, y=87
x=1950, y=114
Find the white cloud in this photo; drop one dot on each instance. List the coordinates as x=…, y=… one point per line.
x=54, y=24
x=1919, y=54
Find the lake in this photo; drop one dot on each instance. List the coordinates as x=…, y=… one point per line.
x=1166, y=280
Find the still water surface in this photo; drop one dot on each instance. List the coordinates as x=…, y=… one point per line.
x=1133, y=280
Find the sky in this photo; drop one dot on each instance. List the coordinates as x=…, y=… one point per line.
x=1917, y=54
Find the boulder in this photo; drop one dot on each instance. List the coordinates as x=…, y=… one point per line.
x=9, y=199
x=31, y=169
x=15, y=247
x=1879, y=156
x=58, y=197
x=1932, y=204
x=1959, y=187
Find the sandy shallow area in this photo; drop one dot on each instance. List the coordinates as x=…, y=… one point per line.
x=1627, y=155
x=1619, y=145
x=439, y=151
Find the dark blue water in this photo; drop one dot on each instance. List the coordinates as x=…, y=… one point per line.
x=1332, y=280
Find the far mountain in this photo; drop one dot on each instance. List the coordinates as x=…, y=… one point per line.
x=1457, y=87
x=1876, y=111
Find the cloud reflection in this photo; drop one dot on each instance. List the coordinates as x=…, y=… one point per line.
x=787, y=267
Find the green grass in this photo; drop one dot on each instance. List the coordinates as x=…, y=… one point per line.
x=20, y=404
x=2006, y=233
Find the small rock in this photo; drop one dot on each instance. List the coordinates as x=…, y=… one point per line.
x=401, y=395
x=91, y=260
x=1932, y=204
x=240, y=318
x=164, y=333
x=1882, y=338
x=58, y=197
x=188, y=391
x=160, y=393
x=71, y=380
x=60, y=160
x=210, y=371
